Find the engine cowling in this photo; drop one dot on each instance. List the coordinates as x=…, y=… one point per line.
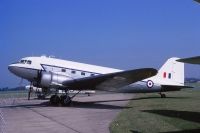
x=49, y=79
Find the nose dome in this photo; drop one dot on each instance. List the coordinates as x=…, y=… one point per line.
x=11, y=68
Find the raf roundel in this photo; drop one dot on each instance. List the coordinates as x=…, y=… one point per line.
x=150, y=84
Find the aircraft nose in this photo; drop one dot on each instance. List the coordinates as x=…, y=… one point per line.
x=22, y=72
x=12, y=68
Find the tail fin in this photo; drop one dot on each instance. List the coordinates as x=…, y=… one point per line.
x=171, y=73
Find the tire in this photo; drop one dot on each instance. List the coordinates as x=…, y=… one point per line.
x=55, y=100
x=65, y=100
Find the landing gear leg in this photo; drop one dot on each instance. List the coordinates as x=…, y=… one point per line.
x=30, y=90
x=162, y=95
x=66, y=99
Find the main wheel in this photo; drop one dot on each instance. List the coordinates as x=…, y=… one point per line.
x=65, y=100
x=54, y=100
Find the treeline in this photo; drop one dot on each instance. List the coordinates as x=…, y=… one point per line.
x=192, y=80
x=12, y=89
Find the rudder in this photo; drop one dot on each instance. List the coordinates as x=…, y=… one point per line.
x=171, y=73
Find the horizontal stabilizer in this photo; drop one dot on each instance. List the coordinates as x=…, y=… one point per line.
x=192, y=60
x=174, y=88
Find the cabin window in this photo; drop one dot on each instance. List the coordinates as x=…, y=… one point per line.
x=63, y=70
x=73, y=72
x=83, y=73
x=92, y=74
x=29, y=62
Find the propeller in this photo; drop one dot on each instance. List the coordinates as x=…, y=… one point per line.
x=38, y=80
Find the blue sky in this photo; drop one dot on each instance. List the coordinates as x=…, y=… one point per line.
x=123, y=34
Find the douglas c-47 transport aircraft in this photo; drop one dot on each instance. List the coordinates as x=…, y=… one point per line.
x=46, y=73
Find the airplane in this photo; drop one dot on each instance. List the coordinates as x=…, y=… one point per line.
x=191, y=60
x=47, y=72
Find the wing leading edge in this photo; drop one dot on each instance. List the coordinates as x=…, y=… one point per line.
x=111, y=81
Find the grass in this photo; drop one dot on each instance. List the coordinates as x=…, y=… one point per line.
x=148, y=113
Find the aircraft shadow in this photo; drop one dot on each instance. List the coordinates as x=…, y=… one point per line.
x=157, y=97
x=140, y=98
x=185, y=131
x=90, y=104
x=134, y=131
x=74, y=104
x=95, y=105
x=101, y=103
x=185, y=115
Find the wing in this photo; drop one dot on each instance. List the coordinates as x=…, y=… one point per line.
x=110, y=81
x=192, y=60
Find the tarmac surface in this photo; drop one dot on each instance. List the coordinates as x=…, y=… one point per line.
x=91, y=114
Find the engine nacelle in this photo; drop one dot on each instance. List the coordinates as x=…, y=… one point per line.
x=53, y=80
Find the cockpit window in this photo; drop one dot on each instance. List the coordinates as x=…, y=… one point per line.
x=25, y=62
